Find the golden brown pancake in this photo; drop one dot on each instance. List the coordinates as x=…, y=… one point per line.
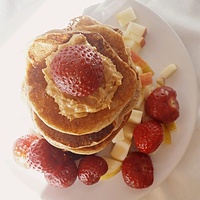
x=99, y=147
x=72, y=141
x=92, y=133
x=85, y=144
x=109, y=34
x=44, y=44
x=40, y=100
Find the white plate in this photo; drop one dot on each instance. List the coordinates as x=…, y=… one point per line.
x=163, y=46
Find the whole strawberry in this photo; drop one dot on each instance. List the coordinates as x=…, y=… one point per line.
x=63, y=176
x=137, y=170
x=162, y=104
x=21, y=147
x=77, y=70
x=91, y=168
x=148, y=136
x=43, y=157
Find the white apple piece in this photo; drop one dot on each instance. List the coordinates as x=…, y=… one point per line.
x=139, y=70
x=142, y=107
x=168, y=71
x=160, y=81
x=119, y=137
x=114, y=166
x=146, y=90
x=126, y=16
x=136, y=29
x=139, y=39
x=128, y=130
x=139, y=102
x=136, y=116
x=121, y=149
x=132, y=44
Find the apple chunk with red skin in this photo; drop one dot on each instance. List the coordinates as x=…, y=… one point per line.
x=137, y=29
x=146, y=78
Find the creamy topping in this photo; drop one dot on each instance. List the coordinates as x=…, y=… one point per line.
x=76, y=107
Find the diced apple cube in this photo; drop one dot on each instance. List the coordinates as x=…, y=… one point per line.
x=128, y=42
x=140, y=101
x=119, y=137
x=135, y=47
x=137, y=29
x=121, y=149
x=168, y=71
x=146, y=90
x=136, y=116
x=128, y=130
x=142, y=107
x=132, y=44
x=139, y=70
x=141, y=63
x=139, y=39
x=126, y=16
x=146, y=78
x=160, y=81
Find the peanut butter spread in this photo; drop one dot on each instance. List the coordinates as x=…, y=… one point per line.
x=76, y=107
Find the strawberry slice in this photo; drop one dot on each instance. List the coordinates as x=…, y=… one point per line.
x=162, y=104
x=77, y=70
x=148, y=136
x=137, y=170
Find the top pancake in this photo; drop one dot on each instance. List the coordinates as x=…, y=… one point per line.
x=45, y=106
x=85, y=23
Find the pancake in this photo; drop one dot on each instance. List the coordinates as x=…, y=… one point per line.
x=87, y=21
x=72, y=141
x=35, y=85
x=108, y=33
x=85, y=144
x=78, y=141
x=101, y=146
x=93, y=132
x=44, y=44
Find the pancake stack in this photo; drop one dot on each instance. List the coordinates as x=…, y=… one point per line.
x=93, y=131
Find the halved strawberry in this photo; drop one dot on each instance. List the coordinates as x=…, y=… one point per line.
x=77, y=70
x=137, y=170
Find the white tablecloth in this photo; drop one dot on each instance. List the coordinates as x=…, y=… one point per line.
x=184, y=16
